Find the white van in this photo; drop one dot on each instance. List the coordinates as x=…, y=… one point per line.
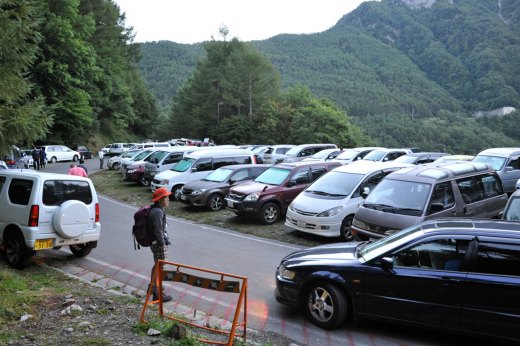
x=197, y=165
x=327, y=207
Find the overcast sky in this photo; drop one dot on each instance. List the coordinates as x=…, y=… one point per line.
x=191, y=21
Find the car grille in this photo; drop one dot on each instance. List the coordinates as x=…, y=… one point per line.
x=186, y=191
x=306, y=213
x=236, y=196
x=377, y=229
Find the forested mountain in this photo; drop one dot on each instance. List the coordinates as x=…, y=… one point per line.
x=409, y=72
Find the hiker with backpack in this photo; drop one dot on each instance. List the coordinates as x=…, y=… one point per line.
x=156, y=222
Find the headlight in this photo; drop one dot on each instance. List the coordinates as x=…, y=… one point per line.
x=291, y=208
x=330, y=212
x=165, y=182
x=252, y=197
x=198, y=192
x=131, y=170
x=286, y=273
x=359, y=224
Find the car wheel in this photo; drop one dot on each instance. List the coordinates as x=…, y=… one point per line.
x=325, y=305
x=270, y=213
x=176, y=193
x=115, y=166
x=143, y=181
x=346, y=231
x=17, y=254
x=80, y=250
x=70, y=219
x=75, y=158
x=215, y=202
x=53, y=159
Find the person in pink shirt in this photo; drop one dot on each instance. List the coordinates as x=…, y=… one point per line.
x=75, y=170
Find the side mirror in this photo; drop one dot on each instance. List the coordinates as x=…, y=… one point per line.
x=509, y=169
x=387, y=264
x=291, y=183
x=231, y=181
x=436, y=207
x=194, y=169
x=366, y=191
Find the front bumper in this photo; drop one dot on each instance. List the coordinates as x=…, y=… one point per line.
x=322, y=226
x=194, y=200
x=286, y=293
x=242, y=207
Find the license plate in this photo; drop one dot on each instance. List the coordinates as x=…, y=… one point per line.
x=41, y=244
x=302, y=224
x=230, y=204
x=183, y=197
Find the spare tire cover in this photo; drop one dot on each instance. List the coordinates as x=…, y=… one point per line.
x=71, y=219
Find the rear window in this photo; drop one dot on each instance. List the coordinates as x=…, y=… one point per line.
x=20, y=191
x=55, y=192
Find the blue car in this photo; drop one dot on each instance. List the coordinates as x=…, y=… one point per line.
x=458, y=275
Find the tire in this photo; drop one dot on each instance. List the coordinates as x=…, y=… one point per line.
x=115, y=166
x=176, y=192
x=80, y=250
x=75, y=158
x=216, y=202
x=325, y=305
x=70, y=219
x=17, y=254
x=270, y=213
x=143, y=181
x=345, y=231
x=53, y=159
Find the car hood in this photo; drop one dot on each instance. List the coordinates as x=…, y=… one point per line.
x=251, y=187
x=322, y=255
x=204, y=184
x=313, y=203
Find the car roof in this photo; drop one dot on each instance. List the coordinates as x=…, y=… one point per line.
x=292, y=165
x=500, y=151
x=22, y=172
x=246, y=165
x=365, y=166
x=433, y=172
x=424, y=153
x=482, y=227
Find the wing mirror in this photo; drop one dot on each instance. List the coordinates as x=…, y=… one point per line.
x=366, y=191
x=436, y=207
x=387, y=264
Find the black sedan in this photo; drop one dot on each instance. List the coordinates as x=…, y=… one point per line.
x=84, y=152
x=450, y=274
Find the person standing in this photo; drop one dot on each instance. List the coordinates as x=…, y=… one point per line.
x=43, y=157
x=36, y=158
x=101, y=155
x=82, y=165
x=157, y=226
x=75, y=170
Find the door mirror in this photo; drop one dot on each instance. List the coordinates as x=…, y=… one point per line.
x=509, y=169
x=387, y=264
x=231, y=181
x=366, y=191
x=193, y=169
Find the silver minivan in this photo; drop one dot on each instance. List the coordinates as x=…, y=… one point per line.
x=506, y=161
x=414, y=194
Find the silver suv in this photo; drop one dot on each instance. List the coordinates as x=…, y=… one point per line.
x=46, y=210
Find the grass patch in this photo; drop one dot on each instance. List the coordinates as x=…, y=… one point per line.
x=111, y=184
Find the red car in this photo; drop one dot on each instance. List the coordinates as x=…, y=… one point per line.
x=136, y=175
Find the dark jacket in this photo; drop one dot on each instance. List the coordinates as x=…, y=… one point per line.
x=157, y=224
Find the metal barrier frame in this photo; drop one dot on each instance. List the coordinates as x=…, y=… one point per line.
x=158, y=275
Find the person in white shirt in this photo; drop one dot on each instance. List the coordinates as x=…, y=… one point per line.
x=101, y=155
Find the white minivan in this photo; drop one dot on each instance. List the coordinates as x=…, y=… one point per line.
x=327, y=207
x=197, y=165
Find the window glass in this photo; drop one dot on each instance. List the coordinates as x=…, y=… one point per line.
x=242, y=174
x=335, y=183
x=494, y=161
x=243, y=159
x=515, y=163
x=498, y=258
x=20, y=191
x=300, y=177
x=492, y=186
x=375, y=155
x=223, y=161
x=203, y=164
x=306, y=152
x=2, y=182
x=371, y=182
x=317, y=172
x=471, y=189
x=439, y=254
x=512, y=212
x=443, y=194
x=172, y=158
x=55, y=192
x=183, y=165
x=256, y=171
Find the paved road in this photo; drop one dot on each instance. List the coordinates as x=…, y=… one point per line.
x=231, y=252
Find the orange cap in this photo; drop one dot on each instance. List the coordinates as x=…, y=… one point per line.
x=160, y=193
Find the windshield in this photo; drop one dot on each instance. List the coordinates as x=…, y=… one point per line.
x=219, y=175
x=406, y=159
x=335, y=184
x=512, y=212
x=273, y=176
x=379, y=247
x=182, y=165
x=375, y=155
x=322, y=154
x=142, y=155
x=259, y=150
x=158, y=156
x=398, y=196
x=293, y=151
x=348, y=154
x=494, y=161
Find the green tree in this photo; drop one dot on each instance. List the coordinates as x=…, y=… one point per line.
x=23, y=116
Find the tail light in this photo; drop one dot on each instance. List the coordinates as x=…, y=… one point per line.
x=34, y=215
x=97, y=212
